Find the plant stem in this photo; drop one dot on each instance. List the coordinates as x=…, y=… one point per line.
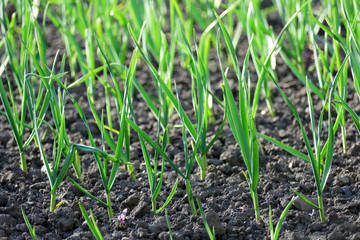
x=268, y=100
x=131, y=171
x=190, y=196
x=154, y=205
x=203, y=166
x=270, y=106
x=23, y=161
x=108, y=202
x=343, y=135
x=321, y=208
x=77, y=166
x=255, y=200
x=53, y=202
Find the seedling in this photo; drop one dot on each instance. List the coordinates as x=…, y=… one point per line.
x=241, y=122
x=321, y=168
x=28, y=224
x=169, y=225
x=91, y=222
x=210, y=232
x=275, y=234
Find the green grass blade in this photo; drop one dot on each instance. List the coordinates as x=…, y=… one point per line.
x=213, y=140
x=96, y=228
x=306, y=200
x=229, y=45
x=37, y=135
x=92, y=224
x=86, y=77
x=282, y=218
x=10, y=116
x=290, y=150
x=330, y=147
x=278, y=40
x=234, y=118
x=158, y=187
x=169, y=197
x=254, y=156
x=223, y=14
x=169, y=225
x=211, y=233
x=64, y=169
x=329, y=154
x=31, y=228
x=149, y=102
x=99, y=152
x=154, y=145
x=305, y=137
x=149, y=170
x=184, y=138
x=86, y=192
x=164, y=86
x=332, y=34
x=271, y=227
x=303, y=77
x=243, y=98
x=353, y=115
x=60, y=142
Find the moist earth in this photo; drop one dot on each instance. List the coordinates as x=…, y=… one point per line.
x=224, y=194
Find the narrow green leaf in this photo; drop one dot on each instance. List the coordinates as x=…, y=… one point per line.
x=333, y=35
x=169, y=197
x=154, y=145
x=223, y=14
x=278, y=40
x=86, y=192
x=282, y=218
x=211, y=233
x=306, y=200
x=164, y=86
x=312, y=158
x=10, y=116
x=31, y=228
x=64, y=169
x=271, y=227
x=169, y=224
x=91, y=223
x=290, y=150
x=234, y=118
x=353, y=115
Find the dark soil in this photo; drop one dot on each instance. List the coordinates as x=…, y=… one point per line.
x=224, y=194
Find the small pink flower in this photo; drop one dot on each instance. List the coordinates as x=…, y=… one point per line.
x=121, y=218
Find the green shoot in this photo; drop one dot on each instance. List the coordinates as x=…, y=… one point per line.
x=321, y=168
x=152, y=171
x=350, y=46
x=17, y=125
x=91, y=222
x=201, y=102
x=210, y=232
x=296, y=32
x=169, y=225
x=241, y=122
x=103, y=168
x=188, y=161
x=31, y=228
x=275, y=234
x=199, y=135
x=56, y=175
x=278, y=41
x=256, y=28
x=19, y=63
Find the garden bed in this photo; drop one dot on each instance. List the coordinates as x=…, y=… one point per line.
x=224, y=194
